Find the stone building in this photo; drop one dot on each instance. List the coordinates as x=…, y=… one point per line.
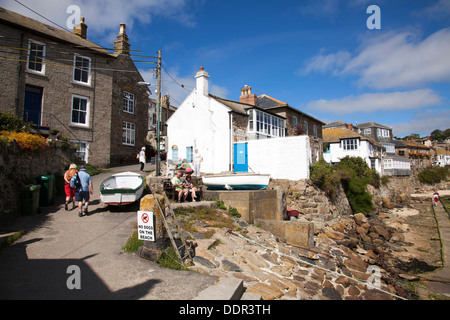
x=62, y=82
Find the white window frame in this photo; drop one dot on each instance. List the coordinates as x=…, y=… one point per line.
x=42, y=63
x=88, y=82
x=265, y=124
x=350, y=144
x=306, y=127
x=129, y=102
x=128, y=133
x=82, y=150
x=315, y=131
x=87, y=111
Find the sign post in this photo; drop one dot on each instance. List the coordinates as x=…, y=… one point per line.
x=145, y=226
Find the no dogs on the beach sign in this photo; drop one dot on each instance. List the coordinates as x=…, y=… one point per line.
x=145, y=226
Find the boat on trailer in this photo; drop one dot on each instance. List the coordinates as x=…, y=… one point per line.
x=237, y=181
x=122, y=189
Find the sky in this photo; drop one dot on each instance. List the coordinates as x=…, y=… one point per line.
x=323, y=57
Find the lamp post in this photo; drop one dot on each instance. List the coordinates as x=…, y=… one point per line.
x=158, y=115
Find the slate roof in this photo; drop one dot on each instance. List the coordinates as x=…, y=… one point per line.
x=268, y=103
x=240, y=107
x=37, y=27
x=335, y=135
x=372, y=124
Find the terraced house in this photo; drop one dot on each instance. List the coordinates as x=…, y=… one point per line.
x=62, y=82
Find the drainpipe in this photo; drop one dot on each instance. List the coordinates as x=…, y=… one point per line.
x=230, y=125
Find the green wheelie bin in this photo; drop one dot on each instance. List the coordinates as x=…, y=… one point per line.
x=47, y=183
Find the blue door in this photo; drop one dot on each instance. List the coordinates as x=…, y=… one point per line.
x=32, y=105
x=240, y=157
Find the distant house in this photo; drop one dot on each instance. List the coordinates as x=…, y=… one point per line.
x=392, y=164
x=442, y=157
x=59, y=80
x=417, y=153
x=236, y=135
x=342, y=142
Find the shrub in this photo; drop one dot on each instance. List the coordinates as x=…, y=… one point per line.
x=433, y=175
x=353, y=174
x=26, y=141
x=10, y=122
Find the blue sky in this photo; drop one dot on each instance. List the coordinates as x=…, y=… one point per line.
x=317, y=55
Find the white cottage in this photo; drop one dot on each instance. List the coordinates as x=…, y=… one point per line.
x=221, y=129
x=342, y=142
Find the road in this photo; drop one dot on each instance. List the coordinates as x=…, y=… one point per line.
x=61, y=251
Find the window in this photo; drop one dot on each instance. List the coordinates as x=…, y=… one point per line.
x=189, y=154
x=305, y=124
x=350, y=144
x=265, y=125
x=174, y=153
x=128, y=102
x=367, y=131
x=80, y=110
x=294, y=121
x=82, y=150
x=36, y=57
x=129, y=134
x=315, y=131
x=82, y=70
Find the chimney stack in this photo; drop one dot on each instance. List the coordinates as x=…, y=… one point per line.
x=247, y=96
x=202, y=81
x=80, y=29
x=122, y=45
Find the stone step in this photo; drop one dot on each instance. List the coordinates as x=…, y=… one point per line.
x=226, y=289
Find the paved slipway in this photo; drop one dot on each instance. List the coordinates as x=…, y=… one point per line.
x=38, y=265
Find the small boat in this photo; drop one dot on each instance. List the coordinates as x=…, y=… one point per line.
x=122, y=188
x=237, y=181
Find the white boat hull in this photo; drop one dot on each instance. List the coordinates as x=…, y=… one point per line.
x=122, y=189
x=237, y=181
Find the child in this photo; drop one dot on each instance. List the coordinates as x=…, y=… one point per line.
x=190, y=187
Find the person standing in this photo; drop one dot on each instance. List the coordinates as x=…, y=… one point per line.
x=436, y=198
x=70, y=192
x=142, y=159
x=83, y=193
x=198, y=159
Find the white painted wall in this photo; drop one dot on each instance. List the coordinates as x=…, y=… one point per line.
x=201, y=122
x=337, y=152
x=282, y=158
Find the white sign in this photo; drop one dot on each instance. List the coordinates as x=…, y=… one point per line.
x=145, y=226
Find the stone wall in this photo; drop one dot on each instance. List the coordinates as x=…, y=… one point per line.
x=19, y=168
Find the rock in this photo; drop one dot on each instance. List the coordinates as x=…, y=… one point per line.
x=381, y=231
x=331, y=293
x=204, y=262
x=266, y=291
x=334, y=234
x=360, y=218
x=230, y=266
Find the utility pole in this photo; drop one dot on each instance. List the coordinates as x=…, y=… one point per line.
x=158, y=115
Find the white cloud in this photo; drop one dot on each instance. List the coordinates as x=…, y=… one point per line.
x=423, y=123
x=394, y=60
x=104, y=16
x=372, y=102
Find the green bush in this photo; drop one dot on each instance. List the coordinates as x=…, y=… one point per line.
x=353, y=174
x=433, y=175
x=10, y=122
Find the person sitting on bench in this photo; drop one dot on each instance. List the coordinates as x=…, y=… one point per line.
x=178, y=185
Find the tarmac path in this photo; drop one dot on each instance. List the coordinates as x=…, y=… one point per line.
x=61, y=251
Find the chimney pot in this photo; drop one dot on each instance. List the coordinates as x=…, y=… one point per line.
x=80, y=29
